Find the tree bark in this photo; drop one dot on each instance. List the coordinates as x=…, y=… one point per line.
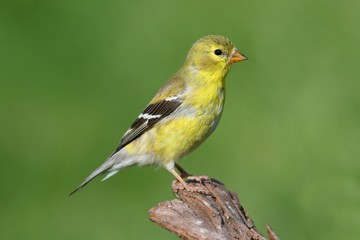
x=207, y=211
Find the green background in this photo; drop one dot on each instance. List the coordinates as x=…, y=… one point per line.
x=75, y=74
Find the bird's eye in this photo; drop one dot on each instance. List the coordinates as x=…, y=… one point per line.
x=218, y=52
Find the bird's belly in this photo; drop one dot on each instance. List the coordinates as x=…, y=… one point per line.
x=182, y=132
x=183, y=135
x=179, y=138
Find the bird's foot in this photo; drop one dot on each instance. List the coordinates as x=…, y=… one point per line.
x=196, y=185
x=190, y=187
x=199, y=179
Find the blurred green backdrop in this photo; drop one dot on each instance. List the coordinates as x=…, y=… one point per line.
x=75, y=74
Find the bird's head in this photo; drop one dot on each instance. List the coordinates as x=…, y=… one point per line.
x=213, y=53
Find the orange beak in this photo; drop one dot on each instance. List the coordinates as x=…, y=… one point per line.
x=237, y=57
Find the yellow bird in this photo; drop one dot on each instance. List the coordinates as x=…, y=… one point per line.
x=184, y=112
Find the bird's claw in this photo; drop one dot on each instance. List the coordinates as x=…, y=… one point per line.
x=193, y=187
x=199, y=179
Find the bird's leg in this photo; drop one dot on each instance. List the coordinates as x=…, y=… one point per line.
x=190, y=188
x=189, y=176
x=180, y=179
x=184, y=174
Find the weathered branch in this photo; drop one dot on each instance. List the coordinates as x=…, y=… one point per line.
x=208, y=211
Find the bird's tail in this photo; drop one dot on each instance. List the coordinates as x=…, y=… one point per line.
x=104, y=167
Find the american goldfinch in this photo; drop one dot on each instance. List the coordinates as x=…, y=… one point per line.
x=184, y=112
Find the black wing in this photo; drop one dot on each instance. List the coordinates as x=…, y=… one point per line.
x=152, y=114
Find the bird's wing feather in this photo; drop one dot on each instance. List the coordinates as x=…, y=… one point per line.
x=152, y=114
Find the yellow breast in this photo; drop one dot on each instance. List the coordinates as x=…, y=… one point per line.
x=177, y=137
